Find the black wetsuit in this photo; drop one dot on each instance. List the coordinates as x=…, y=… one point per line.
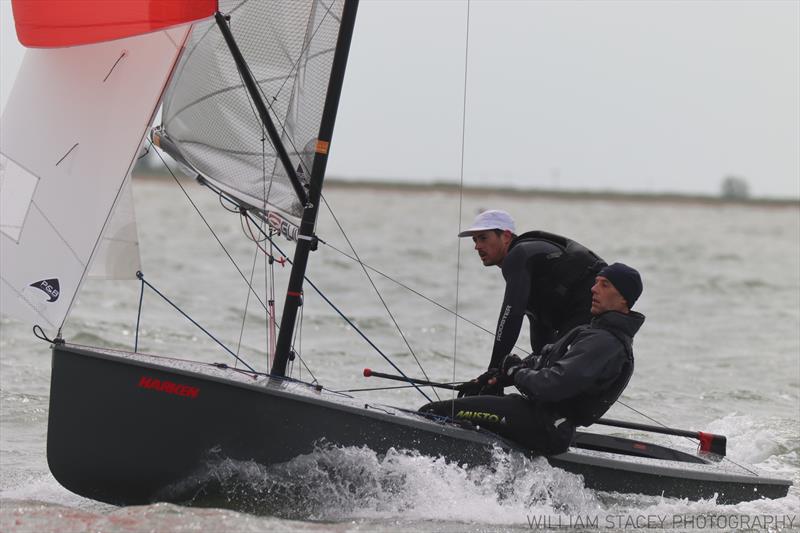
x=573, y=383
x=549, y=278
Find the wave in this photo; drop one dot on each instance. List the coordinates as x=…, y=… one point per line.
x=336, y=483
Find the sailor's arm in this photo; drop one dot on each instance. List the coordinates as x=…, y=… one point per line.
x=591, y=358
x=512, y=312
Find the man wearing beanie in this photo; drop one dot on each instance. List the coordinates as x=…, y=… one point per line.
x=573, y=382
x=548, y=278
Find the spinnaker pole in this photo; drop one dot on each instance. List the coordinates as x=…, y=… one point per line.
x=305, y=236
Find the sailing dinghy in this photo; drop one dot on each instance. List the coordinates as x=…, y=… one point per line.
x=250, y=92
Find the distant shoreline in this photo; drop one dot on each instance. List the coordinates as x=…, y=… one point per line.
x=561, y=194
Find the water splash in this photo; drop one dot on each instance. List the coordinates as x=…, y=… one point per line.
x=342, y=483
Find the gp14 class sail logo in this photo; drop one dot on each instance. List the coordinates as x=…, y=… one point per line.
x=49, y=287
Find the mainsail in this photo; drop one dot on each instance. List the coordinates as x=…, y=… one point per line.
x=71, y=131
x=209, y=122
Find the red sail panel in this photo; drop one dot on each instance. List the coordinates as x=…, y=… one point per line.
x=57, y=23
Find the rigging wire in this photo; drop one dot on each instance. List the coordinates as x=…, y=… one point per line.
x=268, y=103
x=264, y=138
x=247, y=301
x=351, y=323
x=250, y=287
x=234, y=206
x=269, y=272
x=203, y=218
x=270, y=258
x=296, y=337
x=460, y=204
x=375, y=270
x=380, y=296
x=268, y=268
x=190, y=319
x=138, y=318
x=269, y=261
x=224, y=249
x=416, y=292
x=252, y=275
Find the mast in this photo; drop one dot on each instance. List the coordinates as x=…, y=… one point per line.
x=306, y=241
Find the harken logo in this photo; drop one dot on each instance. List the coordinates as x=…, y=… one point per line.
x=178, y=389
x=49, y=287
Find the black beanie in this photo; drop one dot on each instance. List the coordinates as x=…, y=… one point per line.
x=625, y=279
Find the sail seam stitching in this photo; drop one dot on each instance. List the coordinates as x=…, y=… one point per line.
x=27, y=301
x=68, y=152
x=60, y=236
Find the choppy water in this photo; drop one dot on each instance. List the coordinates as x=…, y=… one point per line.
x=720, y=351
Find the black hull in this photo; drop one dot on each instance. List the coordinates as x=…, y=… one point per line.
x=117, y=436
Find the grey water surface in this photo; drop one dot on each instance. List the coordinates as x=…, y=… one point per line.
x=720, y=351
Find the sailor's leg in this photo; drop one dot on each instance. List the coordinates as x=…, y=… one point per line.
x=514, y=417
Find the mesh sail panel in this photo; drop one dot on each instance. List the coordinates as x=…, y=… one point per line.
x=209, y=120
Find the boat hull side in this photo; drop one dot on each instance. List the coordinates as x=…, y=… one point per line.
x=113, y=439
x=117, y=435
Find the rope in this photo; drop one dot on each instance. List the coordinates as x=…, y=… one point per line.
x=233, y=262
x=363, y=336
x=460, y=204
x=247, y=301
x=245, y=215
x=138, y=318
x=197, y=209
x=190, y=319
x=270, y=258
x=350, y=322
x=380, y=296
x=417, y=293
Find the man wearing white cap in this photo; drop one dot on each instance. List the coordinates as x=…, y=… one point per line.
x=548, y=277
x=572, y=382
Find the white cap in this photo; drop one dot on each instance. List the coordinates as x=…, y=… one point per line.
x=489, y=220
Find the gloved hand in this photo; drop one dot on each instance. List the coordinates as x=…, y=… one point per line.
x=478, y=385
x=508, y=368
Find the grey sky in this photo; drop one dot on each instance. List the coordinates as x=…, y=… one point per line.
x=638, y=96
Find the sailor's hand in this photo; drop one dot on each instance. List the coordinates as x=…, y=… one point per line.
x=508, y=369
x=477, y=385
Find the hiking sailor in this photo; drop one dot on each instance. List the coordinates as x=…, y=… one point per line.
x=548, y=278
x=572, y=383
